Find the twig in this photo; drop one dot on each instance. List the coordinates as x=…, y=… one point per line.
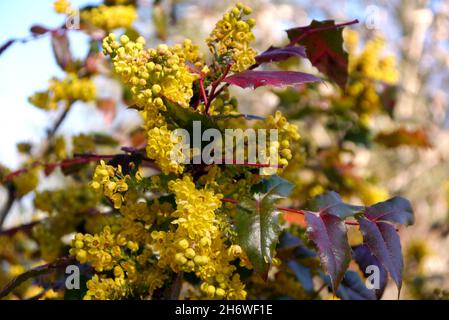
x=214, y=86
x=27, y=227
x=34, y=272
x=8, y=205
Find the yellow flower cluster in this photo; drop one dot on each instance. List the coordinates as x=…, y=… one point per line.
x=197, y=244
x=232, y=35
x=111, y=182
x=69, y=89
x=110, y=17
x=66, y=208
x=83, y=143
x=62, y=6
x=26, y=182
x=160, y=147
x=154, y=75
x=287, y=133
x=367, y=68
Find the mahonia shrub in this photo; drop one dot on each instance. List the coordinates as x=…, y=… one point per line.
x=145, y=224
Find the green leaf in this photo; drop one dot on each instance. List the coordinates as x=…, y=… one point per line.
x=184, y=117
x=257, y=222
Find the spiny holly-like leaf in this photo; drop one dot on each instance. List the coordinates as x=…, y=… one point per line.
x=323, y=41
x=331, y=203
x=328, y=232
x=274, y=54
x=364, y=258
x=257, y=222
x=384, y=243
x=403, y=136
x=61, y=49
x=353, y=288
x=397, y=210
x=255, y=79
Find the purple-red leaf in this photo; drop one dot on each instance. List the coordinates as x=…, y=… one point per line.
x=38, y=30
x=331, y=203
x=328, y=232
x=273, y=54
x=383, y=241
x=397, y=210
x=364, y=258
x=256, y=79
x=61, y=49
x=323, y=41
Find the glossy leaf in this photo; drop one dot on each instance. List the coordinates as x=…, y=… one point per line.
x=323, y=41
x=255, y=79
x=397, y=210
x=274, y=54
x=384, y=243
x=364, y=258
x=257, y=222
x=331, y=203
x=61, y=49
x=328, y=232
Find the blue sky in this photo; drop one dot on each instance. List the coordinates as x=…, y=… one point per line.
x=26, y=68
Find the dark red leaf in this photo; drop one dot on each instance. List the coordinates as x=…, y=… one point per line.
x=61, y=48
x=331, y=203
x=274, y=54
x=383, y=241
x=256, y=79
x=323, y=41
x=397, y=210
x=38, y=30
x=328, y=232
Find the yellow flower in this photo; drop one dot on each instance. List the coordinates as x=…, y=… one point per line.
x=110, y=17
x=232, y=36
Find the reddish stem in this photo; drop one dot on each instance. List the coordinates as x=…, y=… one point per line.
x=214, y=86
x=301, y=212
x=203, y=92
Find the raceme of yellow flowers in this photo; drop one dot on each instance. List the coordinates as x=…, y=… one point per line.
x=107, y=17
x=367, y=68
x=68, y=90
x=110, y=17
x=194, y=243
x=152, y=240
x=232, y=37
